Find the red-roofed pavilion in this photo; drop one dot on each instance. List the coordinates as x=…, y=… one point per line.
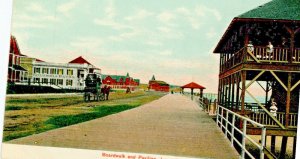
x=193, y=86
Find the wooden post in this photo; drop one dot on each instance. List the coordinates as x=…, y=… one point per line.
x=219, y=90
x=273, y=143
x=222, y=92
x=237, y=98
x=287, y=114
x=292, y=46
x=243, y=91
x=283, y=146
x=267, y=92
x=201, y=93
x=229, y=92
x=294, y=147
x=288, y=100
x=233, y=90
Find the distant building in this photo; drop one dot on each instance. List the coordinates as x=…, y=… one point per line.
x=156, y=85
x=16, y=73
x=69, y=75
x=120, y=82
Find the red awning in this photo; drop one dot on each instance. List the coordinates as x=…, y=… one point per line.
x=193, y=85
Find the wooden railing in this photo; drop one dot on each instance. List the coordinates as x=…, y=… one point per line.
x=296, y=55
x=260, y=54
x=263, y=118
x=236, y=59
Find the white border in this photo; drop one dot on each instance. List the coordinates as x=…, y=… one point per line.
x=5, y=26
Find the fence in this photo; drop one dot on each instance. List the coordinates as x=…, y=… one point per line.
x=208, y=105
x=230, y=128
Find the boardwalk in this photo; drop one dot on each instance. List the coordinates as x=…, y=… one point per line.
x=172, y=125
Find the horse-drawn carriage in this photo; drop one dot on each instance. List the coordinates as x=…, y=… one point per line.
x=93, y=88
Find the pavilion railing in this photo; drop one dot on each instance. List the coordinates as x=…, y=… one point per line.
x=296, y=55
x=263, y=118
x=237, y=58
x=260, y=54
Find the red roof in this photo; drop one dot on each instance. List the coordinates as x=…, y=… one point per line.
x=39, y=60
x=14, y=47
x=80, y=60
x=193, y=85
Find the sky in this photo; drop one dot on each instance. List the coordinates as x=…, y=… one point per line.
x=171, y=39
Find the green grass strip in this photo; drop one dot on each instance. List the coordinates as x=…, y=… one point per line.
x=66, y=120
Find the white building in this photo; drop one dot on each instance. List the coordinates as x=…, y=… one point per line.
x=57, y=75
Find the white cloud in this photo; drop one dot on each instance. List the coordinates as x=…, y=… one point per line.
x=166, y=17
x=65, y=8
x=203, y=11
x=126, y=35
x=140, y=15
x=36, y=7
x=27, y=25
x=109, y=18
x=153, y=43
x=110, y=23
x=168, y=33
x=164, y=29
x=88, y=43
x=195, y=22
x=166, y=52
x=110, y=10
x=183, y=11
x=211, y=33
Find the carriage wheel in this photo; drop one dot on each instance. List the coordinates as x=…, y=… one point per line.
x=85, y=96
x=97, y=97
x=102, y=97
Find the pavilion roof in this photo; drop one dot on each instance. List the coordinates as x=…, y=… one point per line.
x=286, y=11
x=193, y=85
x=276, y=9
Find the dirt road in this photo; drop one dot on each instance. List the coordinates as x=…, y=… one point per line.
x=172, y=125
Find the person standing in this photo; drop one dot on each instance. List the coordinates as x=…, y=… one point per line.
x=270, y=50
x=107, y=90
x=273, y=108
x=250, y=47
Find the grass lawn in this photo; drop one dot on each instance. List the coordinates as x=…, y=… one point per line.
x=35, y=114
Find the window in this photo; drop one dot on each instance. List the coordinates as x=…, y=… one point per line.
x=45, y=70
x=52, y=71
x=69, y=82
x=69, y=72
x=53, y=81
x=37, y=70
x=60, y=81
x=36, y=80
x=45, y=80
x=60, y=71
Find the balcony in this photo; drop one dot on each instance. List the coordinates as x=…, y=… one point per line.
x=260, y=55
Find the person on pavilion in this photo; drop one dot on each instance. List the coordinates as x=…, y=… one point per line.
x=250, y=47
x=273, y=108
x=270, y=50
